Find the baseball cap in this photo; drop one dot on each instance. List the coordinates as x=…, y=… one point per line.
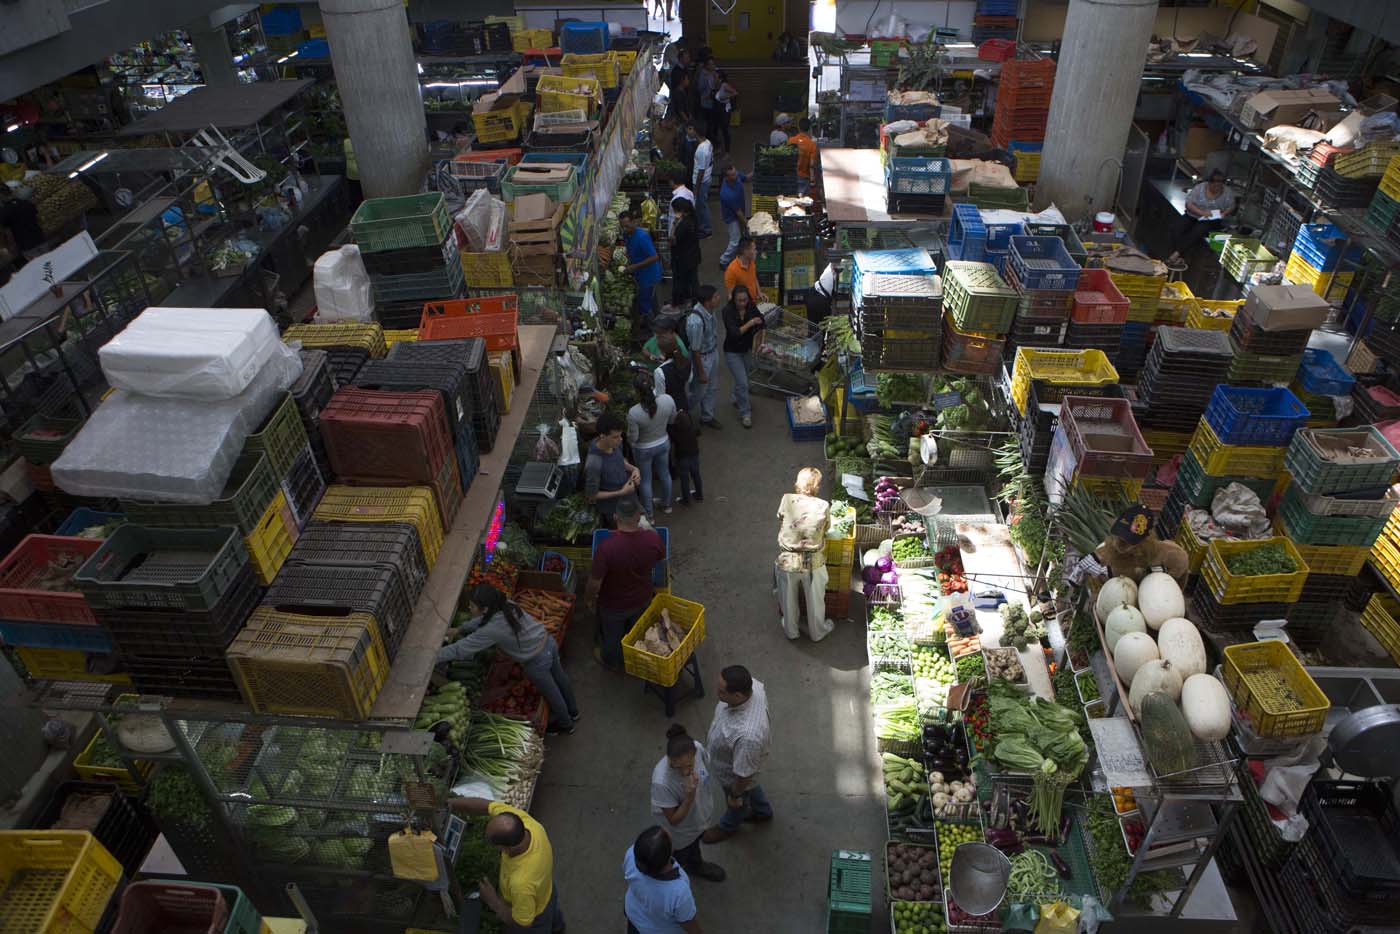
x=1133, y=524
x=783, y=120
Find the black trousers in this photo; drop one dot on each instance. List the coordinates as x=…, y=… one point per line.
x=1189, y=231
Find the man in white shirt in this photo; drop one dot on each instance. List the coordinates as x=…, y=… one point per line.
x=779, y=135
x=702, y=177
x=678, y=190
x=738, y=744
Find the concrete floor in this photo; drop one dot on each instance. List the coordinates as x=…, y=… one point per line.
x=823, y=775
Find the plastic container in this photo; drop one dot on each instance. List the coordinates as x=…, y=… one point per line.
x=250, y=489
x=664, y=669
x=1270, y=687
x=494, y=318
x=1097, y=300
x=304, y=485
x=173, y=907
x=153, y=634
x=1224, y=460
x=189, y=569
x=33, y=562
x=583, y=38
x=282, y=437
x=401, y=223
x=123, y=827
x=976, y=298
x=971, y=352
x=1311, y=529
x=1228, y=588
x=368, y=337
x=967, y=235
x=1255, y=416
x=1328, y=559
x=86, y=768
x=1213, y=315
x=55, y=881
x=271, y=539
x=313, y=589
x=1057, y=373
x=1382, y=620
x=413, y=504
x=1043, y=263
x=386, y=437
x=1104, y=437
x=1314, y=473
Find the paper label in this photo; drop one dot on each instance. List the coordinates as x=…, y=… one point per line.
x=946, y=400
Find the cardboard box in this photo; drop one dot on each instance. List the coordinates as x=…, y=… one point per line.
x=534, y=239
x=1201, y=142
x=1271, y=108
x=1286, y=307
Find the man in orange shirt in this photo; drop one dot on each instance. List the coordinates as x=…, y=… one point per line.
x=806, y=154
x=743, y=270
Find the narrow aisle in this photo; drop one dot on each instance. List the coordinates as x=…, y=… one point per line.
x=823, y=773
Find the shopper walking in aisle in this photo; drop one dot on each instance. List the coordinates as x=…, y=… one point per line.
x=642, y=263
x=498, y=623
x=806, y=155
x=706, y=84
x=671, y=375
x=525, y=897
x=1207, y=206
x=742, y=324
x=726, y=99
x=800, y=570
x=702, y=175
x=651, y=448
x=609, y=479
x=703, y=337
x=734, y=210
x=779, y=136
x=619, y=583
x=738, y=745
x=682, y=791
x=685, y=445
x=685, y=251
x=743, y=270
x=659, y=900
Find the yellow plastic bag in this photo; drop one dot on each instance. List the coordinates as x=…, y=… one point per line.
x=1057, y=918
x=411, y=855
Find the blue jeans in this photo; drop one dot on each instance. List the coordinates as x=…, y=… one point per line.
x=688, y=472
x=654, y=461
x=736, y=231
x=755, y=802
x=702, y=206
x=702, y=395
x=546, y=673
x=739, y=365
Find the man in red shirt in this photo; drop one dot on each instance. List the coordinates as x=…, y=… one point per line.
x=619, y=586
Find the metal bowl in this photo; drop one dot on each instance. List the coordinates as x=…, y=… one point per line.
x=978, y=877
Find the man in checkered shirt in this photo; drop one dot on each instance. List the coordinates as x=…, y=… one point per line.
x=738, y=746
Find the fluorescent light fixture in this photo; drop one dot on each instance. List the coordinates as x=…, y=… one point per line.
x=12, y=127
x=475, y=83
x=88, y=164
x=291, y=55
x=420, y=68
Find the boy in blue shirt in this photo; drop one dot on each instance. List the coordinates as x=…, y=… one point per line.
x=642, y=263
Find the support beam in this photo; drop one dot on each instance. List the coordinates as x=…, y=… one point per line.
x=1096, y=89
x=372, y=55
x=215, y=55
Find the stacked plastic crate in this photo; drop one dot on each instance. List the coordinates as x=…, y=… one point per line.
x=1097, y=315
x=775, y=176
x=1270, y=332
x=1322, y=261
x=1143, y=290
x=1023, y=101
x=1335, y=510
x=917, y=184
x=408, y=247
x=1381, y=214
x=1177, y=382
x=799, y=252
x=978, y=308
x=1351, y=178
x=1040, y=379
x=1320, y=383
x=769, y=264
x=1243, y=431
x=995, y=19
x=477, y=419
x=1097, y=446
x=898, y=304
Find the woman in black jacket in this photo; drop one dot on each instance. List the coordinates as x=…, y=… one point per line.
x=685, y=253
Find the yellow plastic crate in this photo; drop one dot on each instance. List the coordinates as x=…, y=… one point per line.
x=664, y=669
x=1142, y=292
x=557, y=93
x=1271, y=688
x=505, y=376
x=626, y=60
x=1234, y=460
x=1347, y=560
x=1330, y=285
x=322, y=665
x=1109, y=488
x=531, y=39
x=1166, y=444
x=841, y=551
x=1060, y=368
x=1229, y=589
x=1195, y=548
x=1210, y=314
x=1382, y=620
x=63, y=665
x=413, y=504
x=87, y=771
x=368, y=337
x=487, y=270
x=272, y=539
x=1175, y=302
x=400, y=336
x=498, y=126
x=766, y=204
x=54, y=881
x=603, y=66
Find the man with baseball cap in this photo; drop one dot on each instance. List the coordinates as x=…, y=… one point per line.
x=779, y=136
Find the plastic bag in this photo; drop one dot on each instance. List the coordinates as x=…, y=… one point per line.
x=1237, y=508
x=546, y=449
x=1057, y=918
x=343, y=291
x=481, y=222
x=568, y=443
x=1092, y=913
x=412, y=855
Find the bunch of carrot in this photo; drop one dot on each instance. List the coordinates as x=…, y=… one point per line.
x=959, y=644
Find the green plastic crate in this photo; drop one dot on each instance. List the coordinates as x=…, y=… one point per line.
x=1309, y=528
x=518, y=182
x=848, y=905
x=401, y=223
x=977, y=299
x=282, y=437
x=250, y=489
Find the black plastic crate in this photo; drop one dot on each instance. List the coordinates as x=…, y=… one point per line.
x=398, y=316
x=161, y=633
x=206, y=677
x=1234, y=617
x=1358, y=831
x=486, y=424
x=1254, y=339
x=313, y=388
x=797, y=225
x=450, y=380
x=916, y=204
x=468, y=456
x=407, y=261
x=776, y=184
x=469, y=351
x=1320, y=588
x=392, y=544
x=124, y=826
x=304, y=484
x=333, y=590
x=345, y=362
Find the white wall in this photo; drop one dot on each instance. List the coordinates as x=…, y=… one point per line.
x=852, y=15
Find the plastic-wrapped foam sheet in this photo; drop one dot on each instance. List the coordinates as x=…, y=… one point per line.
x=192, y=353
x=169, y=450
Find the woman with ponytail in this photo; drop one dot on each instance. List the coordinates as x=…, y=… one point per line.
x=683, y=796
x=651, y=447
x=498, y=623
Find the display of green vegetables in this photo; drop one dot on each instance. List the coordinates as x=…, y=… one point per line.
x=905, y=783
x=476, y=860
x=901, y=387
x=890, y=687
x=908, y=548
x=775, y=160
x=1111, y=861
x=175, y=799
x=448, y=703
x=971, y=414
x=841, y=522
x=885, y=619
x=839, y=336
x=971, y=666
x=1266, y=559
x=515, y=546
x=1041, y=737
x=570, y=518
x=1015, y=625
x=497, y=748
x=898, y=721
x=884, y=441
x=1032, y=873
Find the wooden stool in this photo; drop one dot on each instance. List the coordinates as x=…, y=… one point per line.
x=669, y=695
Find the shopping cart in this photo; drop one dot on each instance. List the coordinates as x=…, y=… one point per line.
x=786, y=357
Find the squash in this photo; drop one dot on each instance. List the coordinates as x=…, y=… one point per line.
x=1117, y=591
x=1132, y=652
x=1179, y=642
x=1123, y=620
x=1206, y=707
x=1153, y=676
x=1166, y=737
x=1160, y=599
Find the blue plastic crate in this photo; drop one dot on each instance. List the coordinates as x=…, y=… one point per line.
x=1321, y=246
x=281, y=20
x=584, y=38
x=83, y=517
x=967, y=235
x=1044, y=263
x=999, y=235
x=1261, y=417
x=918, y=175
x=860, y=395
x=893, y=262
x=917, y=112
x=1322, y=375
x=804, y=433
x=33, y=635
x=659, y=573
x=314, y=48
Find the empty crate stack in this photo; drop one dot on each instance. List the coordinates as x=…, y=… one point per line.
x=1181, y=373
x=995, y=19
x=1385, y=203
x=898, y=301
x=917, y=184
x=978, y=310
x=1107, y=453
x=1040, y=379
x=1319, y=261
x=347, y=346
x=1335, y=510
x=1269, y=334
x=478, y=420
x=799, y=234
x=1319, y=383
x=1023, y=101
x=408, y=247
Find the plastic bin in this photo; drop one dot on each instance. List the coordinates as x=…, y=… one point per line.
x=378, y=590
x=385, y=437
x=1043, y=263
x=1270, y=687
x=33, y=562
x=664, y=669
x=123, y=826
x=250, y=489
x=1097, y=300
x=282, y=437
x=150, y=634
x=400, y=223
x=1255, y=416
x=494, y=318
x=1224, y=460
x=186, y=569
x=967, y=235
x=584, y=38
x=1322, y=375
x=1104, y=437
x=1314, y=473
x=173, y=907
x=413, y=504
x=1228, y=588
x=54, y=881
x=1382, y=620
x=1057, y=373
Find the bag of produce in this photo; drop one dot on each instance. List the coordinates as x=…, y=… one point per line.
x=411, y=855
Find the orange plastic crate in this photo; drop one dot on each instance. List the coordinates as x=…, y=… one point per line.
x=493, y=317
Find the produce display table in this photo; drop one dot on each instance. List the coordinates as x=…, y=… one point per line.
x=990, y=560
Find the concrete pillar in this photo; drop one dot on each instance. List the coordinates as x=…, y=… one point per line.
x=215, y=55
x=1096, y=89
x=372, y=55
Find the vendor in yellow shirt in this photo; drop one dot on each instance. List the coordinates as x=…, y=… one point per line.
x=524, y=898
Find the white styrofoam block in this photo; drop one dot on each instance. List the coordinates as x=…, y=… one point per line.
x=191, y=353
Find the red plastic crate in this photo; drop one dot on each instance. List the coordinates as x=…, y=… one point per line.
x=1104, y=437
x=386, y=438
x=1097, y=300
x=171, y=907
x=492, y=317
x=997, y=50
x=27, y=564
